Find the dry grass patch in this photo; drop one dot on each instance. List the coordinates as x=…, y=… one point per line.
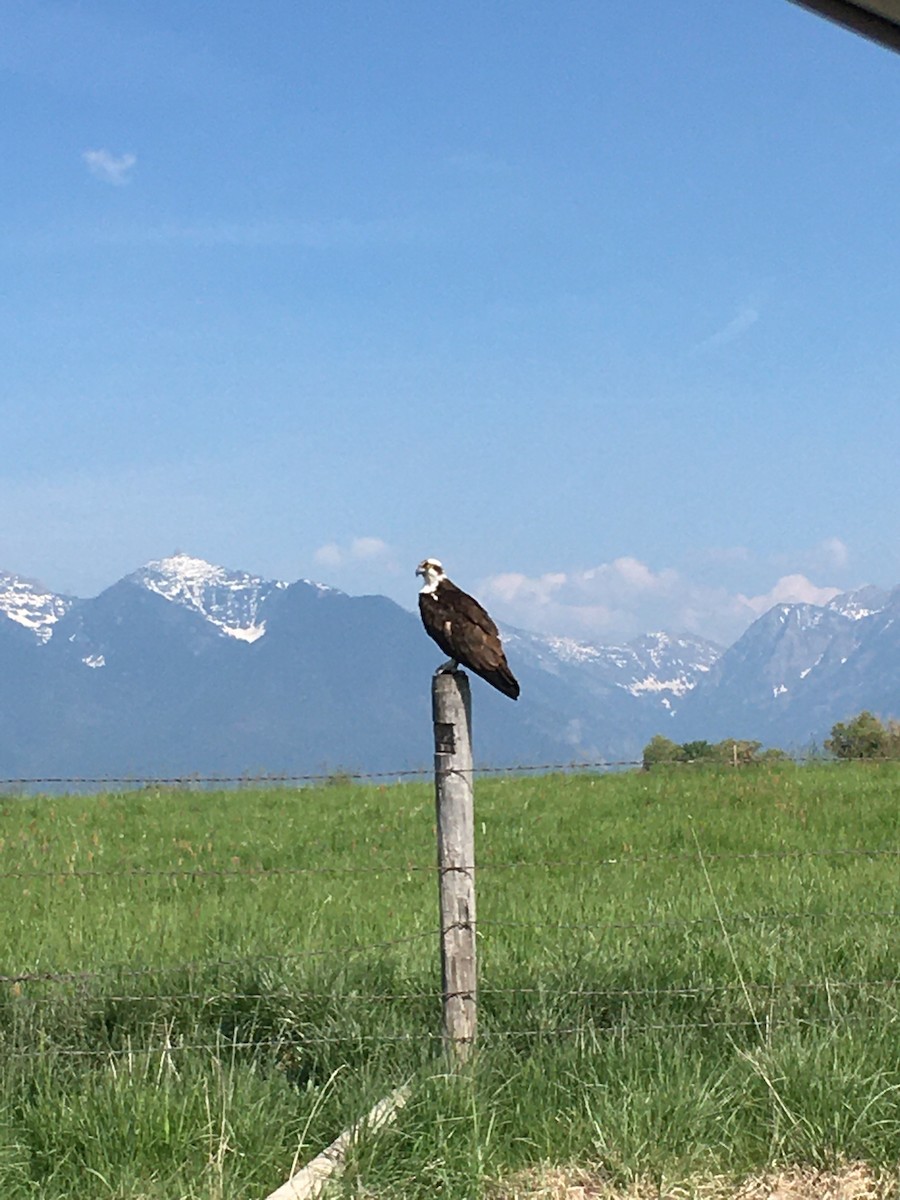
x=855, y=1181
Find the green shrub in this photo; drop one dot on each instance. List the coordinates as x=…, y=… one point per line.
x=864, y=736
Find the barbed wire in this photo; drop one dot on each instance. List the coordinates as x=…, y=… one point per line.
x=62, y=873
x=336, y=776
x=339, y=775
x=189, y=780
x=698, y=991
x=198, y=966
x=676, y=922
x=298, y=1041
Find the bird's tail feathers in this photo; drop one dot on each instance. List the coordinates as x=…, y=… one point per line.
x=503, y=680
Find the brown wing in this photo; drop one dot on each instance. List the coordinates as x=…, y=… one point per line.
x=471, y=637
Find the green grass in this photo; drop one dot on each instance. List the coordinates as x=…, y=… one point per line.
x=675, y=980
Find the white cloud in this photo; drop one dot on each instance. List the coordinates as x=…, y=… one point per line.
x=626, y=597
x=631, y=574
x=368, y=548
x=790, y=589
x=514, y=588
x=108, y=167
x=329, y=555
x=357, y=550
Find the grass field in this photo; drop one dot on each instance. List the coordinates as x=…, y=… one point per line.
x=684, y=973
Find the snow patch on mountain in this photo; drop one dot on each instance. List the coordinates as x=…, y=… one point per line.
x=30, y=604
x=658, y=668
x=671, y=665
x=864, y=602
x=568, y=650
x=230, y=600
x=250, y=633
x=806, y=670
x=679, y=686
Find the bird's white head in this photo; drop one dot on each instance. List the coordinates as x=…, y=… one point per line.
x=432, y=573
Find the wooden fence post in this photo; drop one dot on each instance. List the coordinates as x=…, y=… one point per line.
x=454, y=798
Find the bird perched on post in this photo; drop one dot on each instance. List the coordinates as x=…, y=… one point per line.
x=462, y=629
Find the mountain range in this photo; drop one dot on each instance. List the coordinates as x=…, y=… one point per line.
x=184, y=667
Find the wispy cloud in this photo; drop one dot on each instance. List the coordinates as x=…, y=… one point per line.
x=358, y=550
x=110, y=168
x=625, y=597
x=745, y=319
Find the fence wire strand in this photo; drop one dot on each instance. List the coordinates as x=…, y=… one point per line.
x=198, y=966
x=285, y=991
x=338, y=775
x=292, y=1042
x=575, y=864
x=298, y=1041
x=598, y=927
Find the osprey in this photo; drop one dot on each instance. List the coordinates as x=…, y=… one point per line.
x=462, y=629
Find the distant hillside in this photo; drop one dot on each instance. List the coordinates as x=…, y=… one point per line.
x=185, y=667
x=800, y=668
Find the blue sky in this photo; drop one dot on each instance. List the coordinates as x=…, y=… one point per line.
x=598, y=302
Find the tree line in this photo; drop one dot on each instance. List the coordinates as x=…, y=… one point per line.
x=863, y=736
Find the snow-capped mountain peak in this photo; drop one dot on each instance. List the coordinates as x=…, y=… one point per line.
x=230, y=600
x=30, y=604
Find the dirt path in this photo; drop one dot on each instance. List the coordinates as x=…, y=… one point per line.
x=855, y=1181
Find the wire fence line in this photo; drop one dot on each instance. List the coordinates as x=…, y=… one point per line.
x=199, y=966
x=697, y=991
x=768, y=916
x=340, y=775
x=297, y=1041
x=281, y=778
x=157, y=1035
x=406, y=868
x=687, y=922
